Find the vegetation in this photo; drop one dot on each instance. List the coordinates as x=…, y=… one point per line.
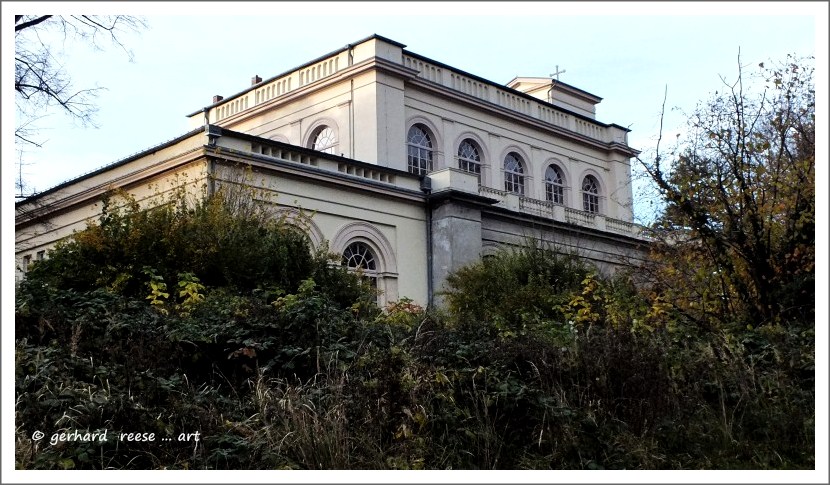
x=740, y=198
x=171, y=320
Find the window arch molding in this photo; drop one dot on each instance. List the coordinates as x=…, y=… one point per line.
x=435, y=137
x=303, y=223
x=524, y=162
x=484, y=153
x=316, y=127
x=601, y=189
x=567, y=179
x=277, y=137
x=369, y=234
x=386, y=268
x=490, y=249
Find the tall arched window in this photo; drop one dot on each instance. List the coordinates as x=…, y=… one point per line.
x=358, y=257
x=419, y=150
x=554, y=185
x=590, y=195
x=324, y=140
x=514, y=178
x=469, y=158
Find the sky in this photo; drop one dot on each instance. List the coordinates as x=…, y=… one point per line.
x=629, y=54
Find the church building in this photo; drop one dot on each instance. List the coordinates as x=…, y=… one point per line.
x=409, y=168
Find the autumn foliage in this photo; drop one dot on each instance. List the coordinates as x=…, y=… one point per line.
x=216, y=316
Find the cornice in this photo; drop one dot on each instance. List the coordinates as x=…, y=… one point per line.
x=484, y=105
x=42, y=206
x=573, y=229
x=314, y=174
x=367, y=65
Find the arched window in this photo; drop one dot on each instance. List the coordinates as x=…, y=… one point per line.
x=324, y=140
x=469, y=158
x=514, y=178
x=367, y=251
x=358, y=257
x=590, y=195
x=554, y=185
x=419, y=150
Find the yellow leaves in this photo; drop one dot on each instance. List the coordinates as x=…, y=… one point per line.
x=92, y=237
x=190, y=289
x=658, y=311
x=417, y=422
x=589, y=285
x=118, y=283
x=584, y=308
x=158, y=290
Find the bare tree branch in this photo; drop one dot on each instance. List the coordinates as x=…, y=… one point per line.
x=739, y=193
x=29, y=23
x=42, y=83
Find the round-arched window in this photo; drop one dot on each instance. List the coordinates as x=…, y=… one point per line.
x=419, y=150
x=590, y=195
x=514, y=178
x=359, y=257
x=324, y=140
x=469, y=158
x=554, y=185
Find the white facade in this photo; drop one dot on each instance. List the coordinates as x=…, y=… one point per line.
x=426, y=166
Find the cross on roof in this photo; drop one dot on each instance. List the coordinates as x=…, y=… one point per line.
x=557, y=73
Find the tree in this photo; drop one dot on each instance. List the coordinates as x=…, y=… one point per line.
x=740, y=198
x=41, y=80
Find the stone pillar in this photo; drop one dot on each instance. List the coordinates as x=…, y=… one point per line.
x=456, y=240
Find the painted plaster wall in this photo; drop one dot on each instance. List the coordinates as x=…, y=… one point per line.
x=451, y=122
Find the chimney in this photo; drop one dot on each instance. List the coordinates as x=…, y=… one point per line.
x=217, y=98
x=256, y=80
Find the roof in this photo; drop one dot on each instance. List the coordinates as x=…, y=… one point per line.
x=559, y=84
x=110, y=166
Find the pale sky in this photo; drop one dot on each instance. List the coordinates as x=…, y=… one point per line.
x=628, y=56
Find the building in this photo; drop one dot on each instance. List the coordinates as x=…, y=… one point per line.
x=412, y=168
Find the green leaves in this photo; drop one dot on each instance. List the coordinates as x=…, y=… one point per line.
x=162, y=321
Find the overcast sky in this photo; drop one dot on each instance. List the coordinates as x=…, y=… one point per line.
x=628, y=56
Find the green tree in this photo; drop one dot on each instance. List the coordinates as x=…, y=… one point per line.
x=739, y=222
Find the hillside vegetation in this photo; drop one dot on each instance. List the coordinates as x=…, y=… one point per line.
x=214, y=331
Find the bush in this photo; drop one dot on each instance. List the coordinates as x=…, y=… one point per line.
x=290, y=365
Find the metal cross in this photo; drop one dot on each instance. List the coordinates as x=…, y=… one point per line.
x=558, y=72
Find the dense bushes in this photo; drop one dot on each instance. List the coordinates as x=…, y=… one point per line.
x=157, y=320
x=172, y=321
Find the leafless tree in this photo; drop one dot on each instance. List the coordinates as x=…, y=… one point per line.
x=41, y=81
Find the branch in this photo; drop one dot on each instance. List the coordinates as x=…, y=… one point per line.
x=92, y=23
x=29, y=23
x=660, y=133
x=26, y=140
